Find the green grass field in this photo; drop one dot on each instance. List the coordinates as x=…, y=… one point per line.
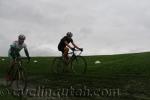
x=128, y=74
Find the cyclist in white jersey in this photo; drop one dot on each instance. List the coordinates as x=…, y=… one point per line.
x=14, y=50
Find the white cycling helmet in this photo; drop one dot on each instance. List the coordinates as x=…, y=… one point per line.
x=69, y=34
x=21, y=37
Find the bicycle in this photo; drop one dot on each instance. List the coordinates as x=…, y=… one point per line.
x=18, y=75
x=76, y=63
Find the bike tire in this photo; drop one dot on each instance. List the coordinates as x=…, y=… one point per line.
x=79, y=65
x=21, y=78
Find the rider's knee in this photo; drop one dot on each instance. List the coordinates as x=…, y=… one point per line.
x=66, y=50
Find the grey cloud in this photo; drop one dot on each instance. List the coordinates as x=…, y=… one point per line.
x=101, y=27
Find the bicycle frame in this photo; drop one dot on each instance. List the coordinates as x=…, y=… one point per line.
x=73, y=55
x=18, y=61
x=59, y=64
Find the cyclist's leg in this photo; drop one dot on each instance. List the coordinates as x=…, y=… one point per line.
x=12, y=63
x=11, y=66
x=66, y=50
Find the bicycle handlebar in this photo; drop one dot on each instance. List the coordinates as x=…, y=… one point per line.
x=21, y=58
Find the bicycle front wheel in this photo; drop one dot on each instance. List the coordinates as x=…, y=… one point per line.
x=79, y=65
x=21, y=79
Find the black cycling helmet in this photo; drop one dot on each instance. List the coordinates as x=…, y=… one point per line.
x=69, y=34
x=21, y=37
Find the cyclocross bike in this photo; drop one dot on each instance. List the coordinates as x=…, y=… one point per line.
x=76, y=64
x=18, y=75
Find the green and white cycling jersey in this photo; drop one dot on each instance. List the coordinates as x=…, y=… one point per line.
x=17, y=47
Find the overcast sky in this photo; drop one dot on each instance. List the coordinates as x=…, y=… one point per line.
x=99, y=26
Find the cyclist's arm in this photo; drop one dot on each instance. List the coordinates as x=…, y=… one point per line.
x=27, y=53
x=75, y=45
x=68, y=45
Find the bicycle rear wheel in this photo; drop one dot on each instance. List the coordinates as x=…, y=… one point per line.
x=57, y=65
x=79, y=65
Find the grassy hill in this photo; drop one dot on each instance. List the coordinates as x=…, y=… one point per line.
x=130, y=73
